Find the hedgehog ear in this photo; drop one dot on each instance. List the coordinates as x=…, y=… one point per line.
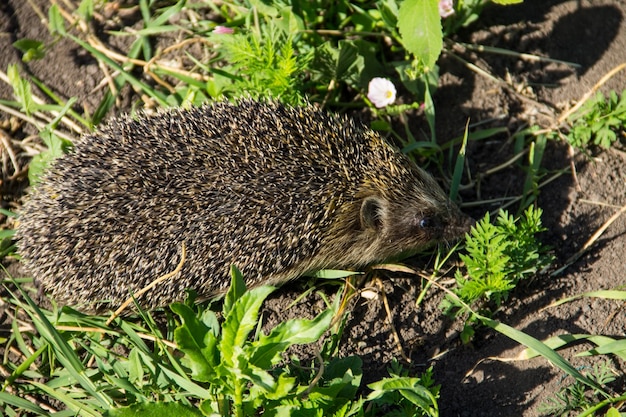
x=372, y=213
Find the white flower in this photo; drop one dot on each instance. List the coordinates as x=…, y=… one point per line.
x=381, y=92
x=446, y=8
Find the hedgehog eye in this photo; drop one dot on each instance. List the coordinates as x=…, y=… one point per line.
x=429, y=222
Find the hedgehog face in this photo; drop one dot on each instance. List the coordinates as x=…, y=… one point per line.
x=404, y=229
x=399, y=229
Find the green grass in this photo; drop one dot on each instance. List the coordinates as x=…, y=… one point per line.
x=212, y=366
x=324, y=52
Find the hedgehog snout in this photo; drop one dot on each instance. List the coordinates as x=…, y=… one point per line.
x=459, y=225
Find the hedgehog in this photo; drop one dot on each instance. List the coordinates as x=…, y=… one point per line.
x=278, y=191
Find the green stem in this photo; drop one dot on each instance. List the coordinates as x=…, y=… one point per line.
x=592, y=410
x=238, y=400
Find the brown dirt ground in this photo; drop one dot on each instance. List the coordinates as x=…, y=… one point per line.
x=590, y=33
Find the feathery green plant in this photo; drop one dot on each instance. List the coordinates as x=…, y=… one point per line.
x=577, y=396
x=498, y=256
x=263, y=64
x=598, y=121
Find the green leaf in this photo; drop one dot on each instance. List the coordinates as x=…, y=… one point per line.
x=458, y=168
x=56, y=23
x=289, y=22
x=22, y=90
x=22, y=404
x=240, y=321
x=507, y=2
x=267, y=350
x=388, y=12
x=616, y=347
x=105, y=105
x=259, y=377
x=66, y=355
x=8, y=213
x=7, y=234
x=608, y=294
x=57, y=146
x=349, y=63
x=334, y=274
x=78, y=407
x=31, y=49
x=85, y=10
x=135, y=367
x=198, y=343
x=236, y=290
x=170, y=409
x=282, y=388
x=613, y=412
x=563, y=340
x=540, y=348
x=342, y=378
x=343, y=63
x=419, y=24
x=409, y=388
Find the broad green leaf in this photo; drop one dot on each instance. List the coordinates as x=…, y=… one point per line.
x=265, y=8
x=31, y=49
x=349, y=62
x=343, y=63
x=182, y=382
x=267, y=350
x=341, y=379
x=289, y=22
x=282, y=388
x=409, y=388
x=236, y=290
x=613, y=412
x=135, y=367
x=259, y=377
x=198, y=343
x=240, y=321
x=419, y=24
x=388, y=12
x=85, y=10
